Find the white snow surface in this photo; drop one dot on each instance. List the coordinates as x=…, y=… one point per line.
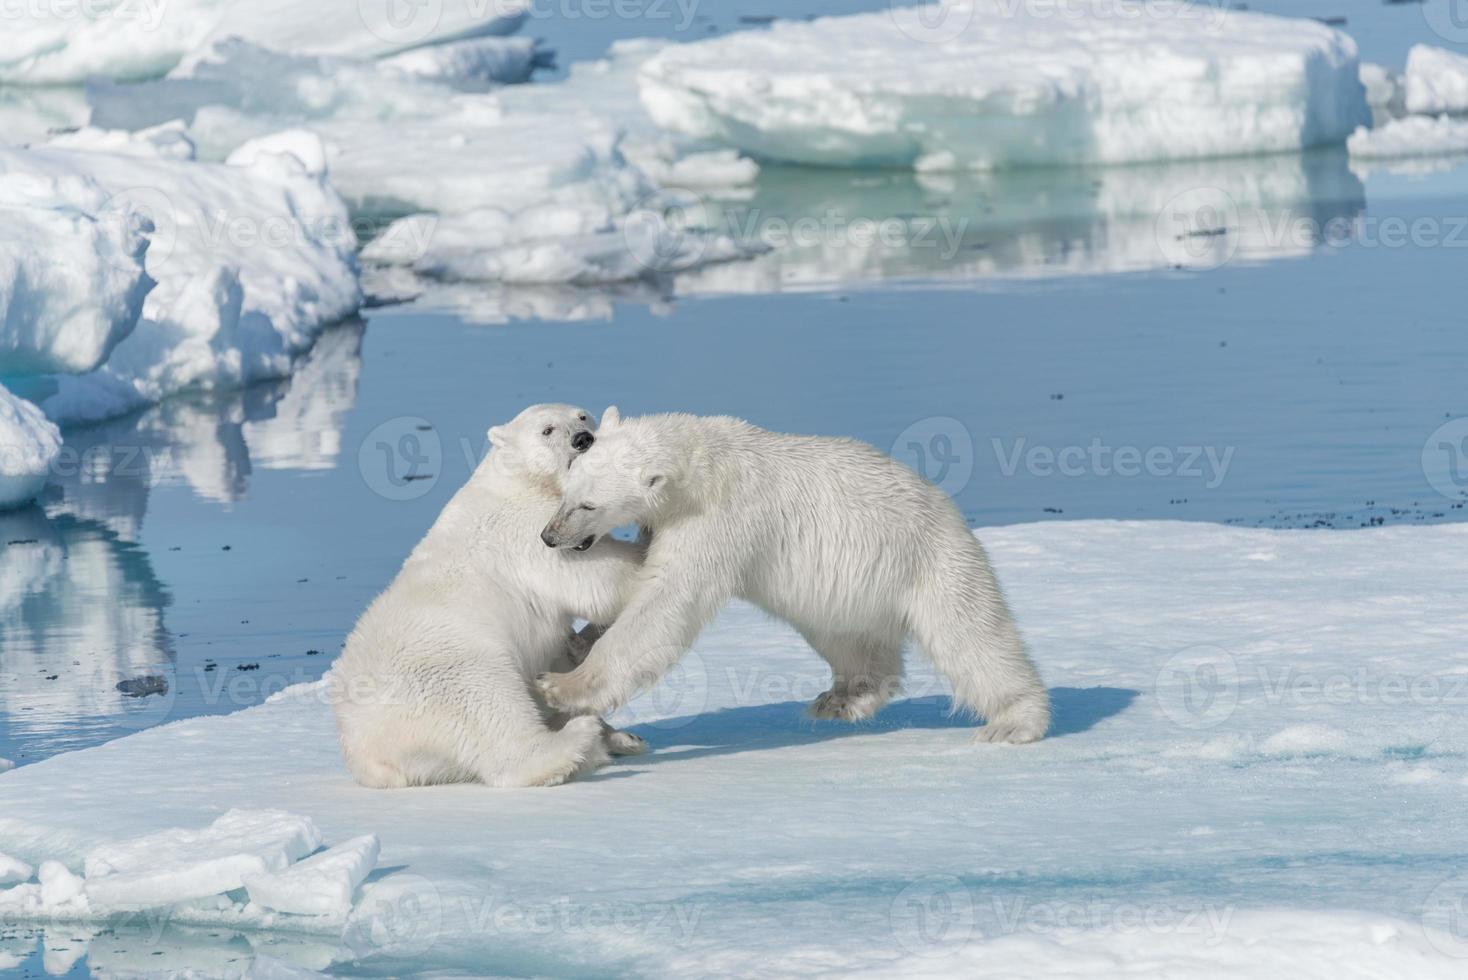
x=983, y=84
x=68, y=43
x=323, y=884
x=29, y=444
x=1436, y=80
x=1411, y=136
x=1256, y=770
x=250, y=261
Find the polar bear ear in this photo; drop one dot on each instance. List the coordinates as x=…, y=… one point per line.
x=498, y=436
x=610, y=418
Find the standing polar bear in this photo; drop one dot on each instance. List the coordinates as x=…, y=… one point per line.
x=435, y=684
x=852, y=548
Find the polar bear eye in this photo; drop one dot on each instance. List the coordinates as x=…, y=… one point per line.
x=582, y=416
x=586, y=507
x=548, y=430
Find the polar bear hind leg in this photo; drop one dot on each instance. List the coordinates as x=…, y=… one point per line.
x=962, y=623
x=866, y=671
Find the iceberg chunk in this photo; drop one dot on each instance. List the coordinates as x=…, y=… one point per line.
x=72, y=279
x=983, y=84
x=322, y=884
x=1436, y=80
x=251, y=261
x=177, y=865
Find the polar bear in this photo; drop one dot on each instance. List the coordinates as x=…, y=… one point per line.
x=435, y=684
x=855, y=550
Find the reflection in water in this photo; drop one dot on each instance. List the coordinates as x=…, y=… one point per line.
x=85, y=653
x=869, y=227
x=145, y=944
x=849, y=229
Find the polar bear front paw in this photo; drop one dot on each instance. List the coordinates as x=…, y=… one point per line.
x=566, y=692
x=624, y=743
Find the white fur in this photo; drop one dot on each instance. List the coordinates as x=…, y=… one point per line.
x=852, y=548
x=435, y=682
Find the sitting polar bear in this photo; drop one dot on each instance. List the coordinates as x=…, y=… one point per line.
x=852, y=548
x=435, y=684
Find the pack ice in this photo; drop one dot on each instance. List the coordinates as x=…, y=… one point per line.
x=67, y=43
x=501, y=186
x=982, y=84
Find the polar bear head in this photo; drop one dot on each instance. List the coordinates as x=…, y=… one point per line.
x=542, y=441
x=621, y=480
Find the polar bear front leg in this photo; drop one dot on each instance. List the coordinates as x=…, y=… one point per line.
x=657, y=628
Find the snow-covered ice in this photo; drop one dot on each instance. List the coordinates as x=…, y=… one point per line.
x=68, y=43
x=29, y=443
x=322, y=884
x=1256, y=769
x=981, y=84
x=251, y=261
x=1411, y=136
x=1436, y=81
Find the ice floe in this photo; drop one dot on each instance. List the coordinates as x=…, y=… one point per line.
x=1244, y=721
x=243, y=866
x=1436, y=81
x=251, y=262
x=1411, y=136
x=980, y=84
x=67, y=43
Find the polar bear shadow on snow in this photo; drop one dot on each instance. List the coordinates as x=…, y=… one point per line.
x=754, y=728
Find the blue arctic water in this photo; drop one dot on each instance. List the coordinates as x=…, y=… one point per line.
x=215, y=549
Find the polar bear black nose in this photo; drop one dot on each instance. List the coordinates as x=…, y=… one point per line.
x=582, y=441
x=548, y=538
